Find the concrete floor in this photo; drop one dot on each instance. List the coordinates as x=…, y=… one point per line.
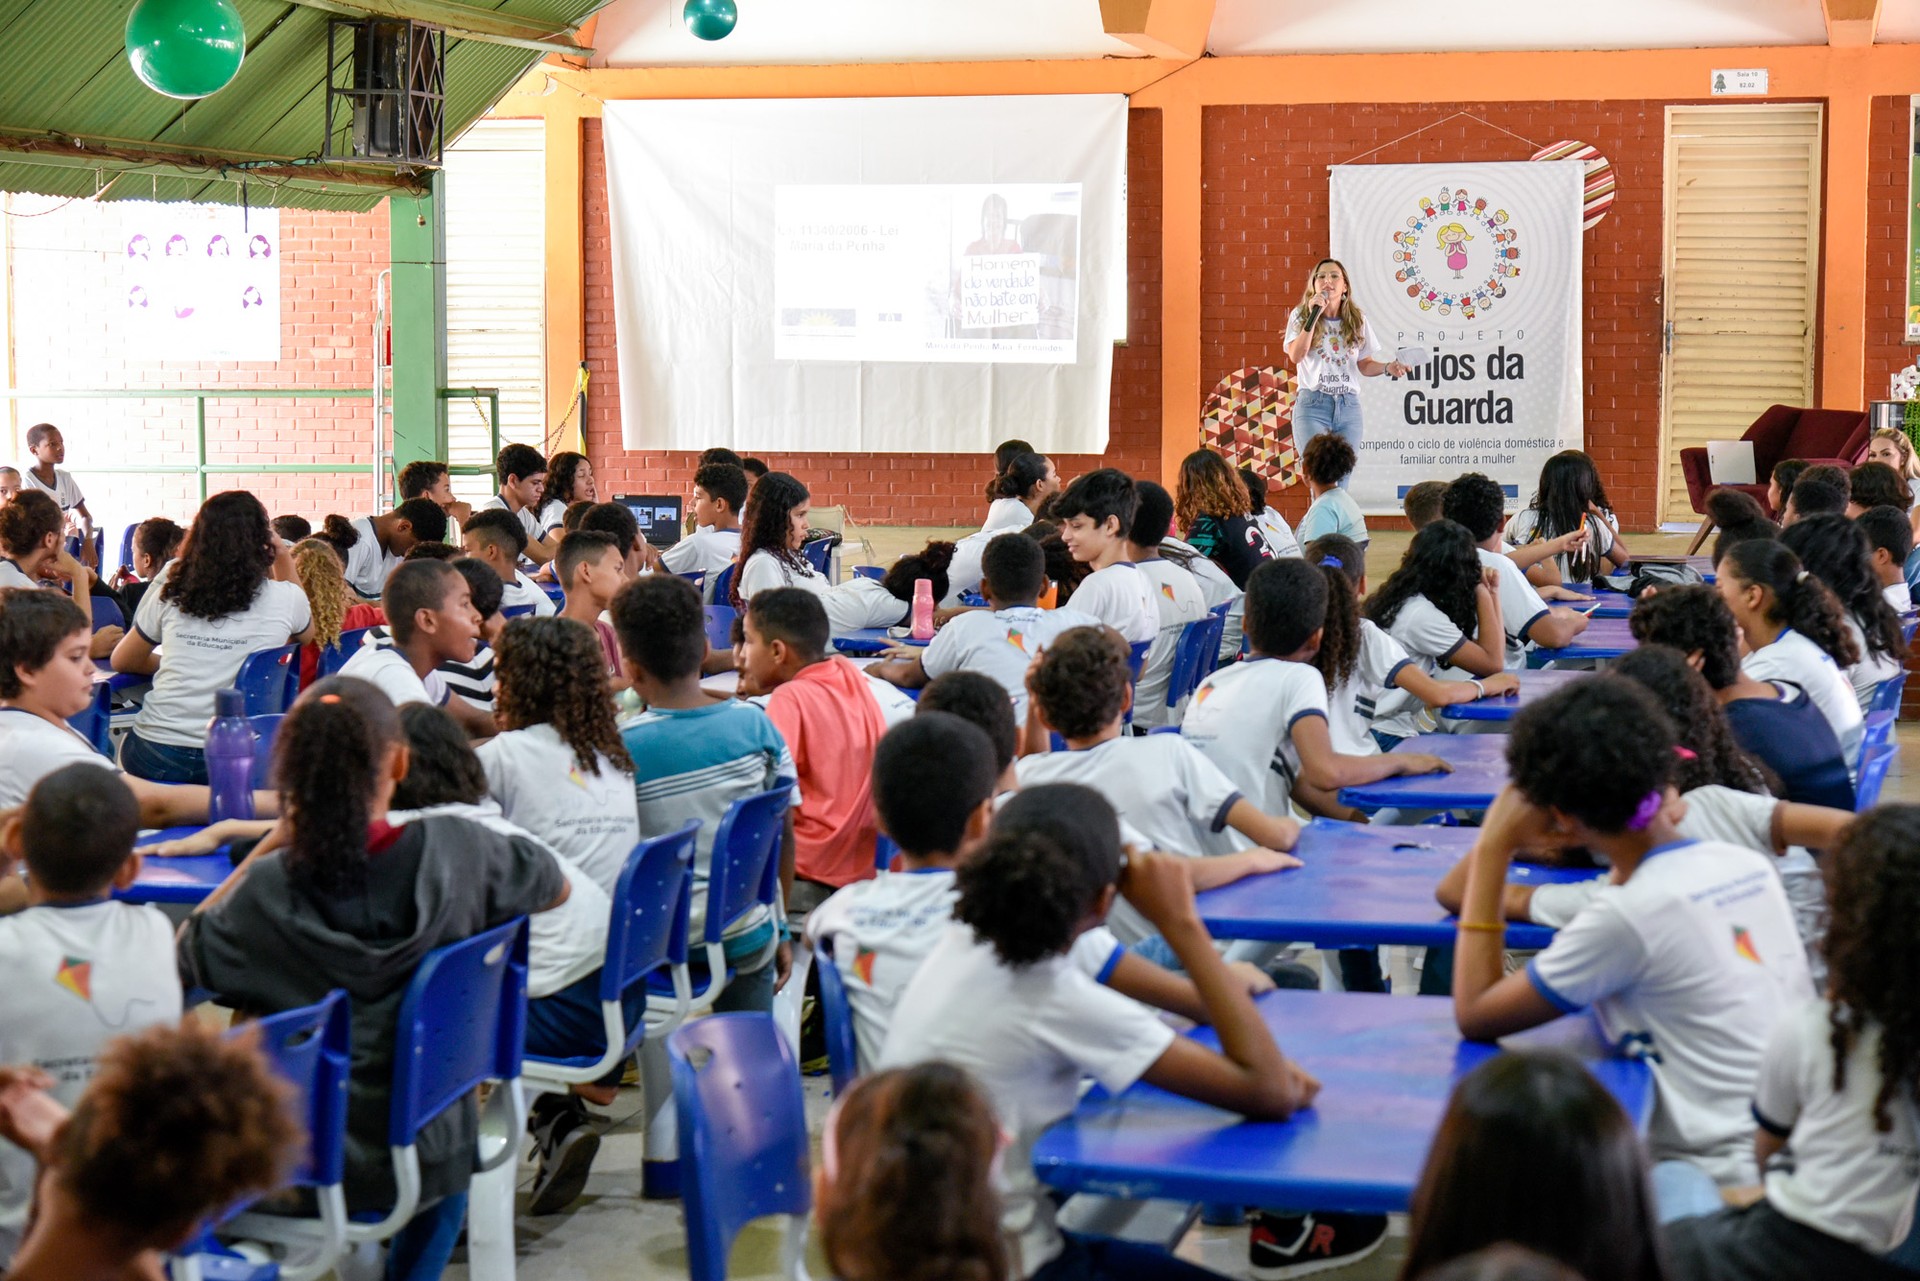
x=613, y=1234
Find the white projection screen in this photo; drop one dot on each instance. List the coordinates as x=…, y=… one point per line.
x=868, y=275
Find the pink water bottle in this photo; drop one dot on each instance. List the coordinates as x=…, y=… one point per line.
x=922, y=609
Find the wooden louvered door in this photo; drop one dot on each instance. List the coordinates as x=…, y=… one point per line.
x=1742, y=268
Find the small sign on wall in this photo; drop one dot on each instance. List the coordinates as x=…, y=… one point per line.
x=1749, y=81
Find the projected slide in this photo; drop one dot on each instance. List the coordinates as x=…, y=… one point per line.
x=930, y=272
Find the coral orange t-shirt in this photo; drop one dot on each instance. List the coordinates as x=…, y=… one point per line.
x=831, y=723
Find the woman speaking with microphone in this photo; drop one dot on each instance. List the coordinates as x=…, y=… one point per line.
x=1333, y=347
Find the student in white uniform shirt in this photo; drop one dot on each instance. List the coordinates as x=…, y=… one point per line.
x=1001, y=996
x=1216, y=588
x=1689, y=956
x=226, y=596
x=1096, y=514
x=1279, y=534
x=1439, y=607
x=497, y=538
x=431, y=620
x=773, y=530
x=1567, y=534
x=1176, y=596
x=1001, y=640
x=79, y=967
x=1835, y=550
x=35, y=549
x=522, y=474
x=1890, y=542
x=569, y=481
x=1477, y=502
x=1018, y=490
x=49, y=450
x=1837, y=1086
x=719, y=494
x=370, y=546
x=1795, y=630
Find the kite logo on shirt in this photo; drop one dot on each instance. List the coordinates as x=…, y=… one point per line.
x=574, y=776
x=863, y=965
x=1200, y=695
x=1017, y=639
x=76, y=975
x=1743, y=945
x=1166, y=589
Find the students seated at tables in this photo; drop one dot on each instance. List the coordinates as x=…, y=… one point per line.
x=908, y=1181
x=569, y=481
x=1775, y=720
x=342, y=896
x=156, y=541
x=566, y=948
x=1217, y=518
x=1001, y=997
x=980, y=701
x=773, y=529
x=1890, y=540
x=1825, y=493
x=430, y=620
x=693, y=756
x=592, y=571
x=1279, y=534
x=1835, y=1088
x=719, y=495
x=1000, y=641
x=471, y=679
x=1438, y=607
x=1875, y=485
x=558, y=767
x=1423, y=503
x=1690, y=952
x=1096, y=513
x=219, y=602
x=496, y=538
x=1478, y=503
x=1795, y=630
x=1023, y=480
x=30, y=535
x=1835, y=550
x=430, y=479
x=370, y=546
x=522, y=475
x=1333, y=511
x=177, y=1124
x=1569, y=512
x=317, y=567
x=46, y=476
x=1176, y=596
x=75, y=834
x=1216, y=589
x=1534, y=1151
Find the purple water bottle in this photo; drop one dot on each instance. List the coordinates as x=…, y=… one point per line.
x=230, y=743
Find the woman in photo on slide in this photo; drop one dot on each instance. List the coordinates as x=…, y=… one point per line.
x=1333, y=347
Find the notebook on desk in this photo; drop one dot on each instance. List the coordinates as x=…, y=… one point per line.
x=1730, y=462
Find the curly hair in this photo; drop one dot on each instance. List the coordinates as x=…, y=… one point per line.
x=1873, y=952
x=1052, y=853
x=1442, y=563
x=28, y=521
x=1718, y=759
x=561, y=470
x=1208, y=486
x=326, y=762
x=552, y=671
x=1795, y=597
x=227, y=556
x=767, y=524
x=1835, y=550
x=930, y=562
x=1694, y=620
x=1081, y=682
x=910, y=1195
x=321, y=578
x=177, y=1122
x=1328, y=459
x=1593, y=750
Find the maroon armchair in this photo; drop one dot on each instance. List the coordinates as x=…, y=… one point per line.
x=1836, y=436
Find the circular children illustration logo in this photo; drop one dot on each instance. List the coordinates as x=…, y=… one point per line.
x=1456, y=253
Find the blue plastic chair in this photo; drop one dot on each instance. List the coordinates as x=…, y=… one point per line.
x=106, y=613
x=647, y=933
x=836, y=1015
x=1221, y=611
x=743, y=873
x=720, y=625
x=1137, y=658
x=311, y=1048
x=819, y=554
x=335, y=656
x=1163, y=729
x=1194, y=657
x=268, y=679
x=974, y=599
x=126, y=546
x=884, y=852
x=1886, y=697
x=1878, y=729
x=1909, y=623
x=265, y=728
x=743, y=1128
x=870, y=571
x=723, y=586
x=698, y=578
x=93, y=721
x=1873, y=776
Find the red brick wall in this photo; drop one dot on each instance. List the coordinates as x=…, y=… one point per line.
x=916, y=489
x=66, y=301
x=1265, y=219
x=1887, y=352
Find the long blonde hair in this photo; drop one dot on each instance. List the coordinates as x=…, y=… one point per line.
x=1909, y=463
x=318, y=567
x=1348, y=311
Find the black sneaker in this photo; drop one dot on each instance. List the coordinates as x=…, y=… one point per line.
x=1297, y=1245
x=566, y=1159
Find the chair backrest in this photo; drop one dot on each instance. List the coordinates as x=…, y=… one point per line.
x=1195, y=657
x=1137, y=658
x=869, y=571
x=819, y=553
x=745, y=866
x=836, y=1014
x=93, y=721
x=652, y=905
x=884, y=852
x=723, y=585
x=720, y=624
x=698, y=577
x=743, y=1131
x=1909, y=623
x=106, y=613
x=1874, y=764
x=265, y=728
x=266, y=677
x=126, y=546
x=311, y=1047
x=1163, y=729
x=462, y=1021
x=1886, y=697
x=335, y=656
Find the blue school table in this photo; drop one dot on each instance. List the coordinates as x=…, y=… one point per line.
x=176, y=880
x=1479, y=772
x=1386, y=1065
x=1534, y=685
x=1364, y=886
x=1606, y=604
x=870, y=640
x=1604, y=638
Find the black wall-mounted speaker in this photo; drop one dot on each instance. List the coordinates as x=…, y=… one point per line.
x=386, y=91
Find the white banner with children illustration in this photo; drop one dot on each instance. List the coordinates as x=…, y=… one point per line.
x=1471, y=273
x=202, y=282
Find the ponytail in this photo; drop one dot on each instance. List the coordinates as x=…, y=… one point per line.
x=1024, y=893
x=339, y=531
x=326, y=763
x=1016, y=480
x=1800, y=600
x=930, y=562
x=1339, y=653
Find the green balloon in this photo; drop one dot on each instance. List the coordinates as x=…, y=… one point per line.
x=185, y=48
x=710, y=19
